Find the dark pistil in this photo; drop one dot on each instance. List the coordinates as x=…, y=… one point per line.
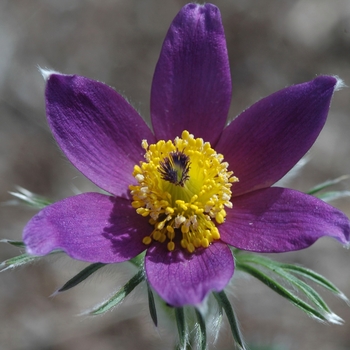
x=175, y=168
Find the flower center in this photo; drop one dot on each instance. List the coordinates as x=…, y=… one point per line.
x=175, y=168
x=183, y=187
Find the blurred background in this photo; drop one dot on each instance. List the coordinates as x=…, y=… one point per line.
x=271, y=44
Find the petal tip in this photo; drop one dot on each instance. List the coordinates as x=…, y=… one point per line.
x=210, y=12
x=46, y=73
x=339, y=84
x=333, y=80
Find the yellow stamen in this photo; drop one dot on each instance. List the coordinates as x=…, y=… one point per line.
x=183, y=188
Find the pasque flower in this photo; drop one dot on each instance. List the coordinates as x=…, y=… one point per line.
x=193, y=186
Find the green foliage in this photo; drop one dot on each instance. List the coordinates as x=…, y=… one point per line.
x=329, y=195
x=202, y=330
x=22, y=259
x=326, y=184
x=29, y=198
x=225, y=304
x=181, y=327
x=81, y=276
x=285, y=280
x=152, y=305
x=118, y=297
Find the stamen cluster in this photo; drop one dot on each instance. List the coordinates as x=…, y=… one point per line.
x=183, y=186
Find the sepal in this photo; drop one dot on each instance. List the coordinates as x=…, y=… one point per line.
x=152, y=305
x=21, y=260
x=225, y=304
x=80, y=277
x=323, y=185
x=333, y=195
x=329, y=195
x=17, y=261
x=18, y=244
x=29, y=198
x=181, y=328
x=202, y=331
x=284, y=280
x=316, y=278
x=118, y=297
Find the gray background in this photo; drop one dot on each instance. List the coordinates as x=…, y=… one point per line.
x=271, y=44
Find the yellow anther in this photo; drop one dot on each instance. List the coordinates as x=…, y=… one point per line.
x=190, y=247
x=152, y=221
x=185, y=134
x=205, y=243
x=184, y=229
x=171, y=246
x=197, y=242
x=137, y=170
x=170, y=229
x=136, y=204
x=181, y=204
x=215, y=233
x=147, y=240
x=219, y=218
x=142, y=211
x=169, y=210
x=161, y=225
x=156, y=235
x=194, y=198
x=233, y=179
x=183, y=243
x=162, y=238
x=184, y=189
x=171, y=235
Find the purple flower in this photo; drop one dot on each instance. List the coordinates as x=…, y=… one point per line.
x=176, y=196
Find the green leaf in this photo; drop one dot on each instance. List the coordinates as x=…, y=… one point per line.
x=202, y=330
x=152, y=305
x=315, y=277
x=326, y=184
x=217, y=321
x=30, y=198
x=226, y=305
x=120, y=295
x=138, y=261
x=22, y=259
x=333, y=195
x=81, y=276
x=18, y=261
x=181, y=327
x=307, y=290
x=18, y=244
x=283, y=291
x=299, y=270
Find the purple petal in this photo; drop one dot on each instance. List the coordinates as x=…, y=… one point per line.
x=97, y=129
x=191, y=86
x=281, y=220
x=90, y=227
x=268, y=139
x=182, y=279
